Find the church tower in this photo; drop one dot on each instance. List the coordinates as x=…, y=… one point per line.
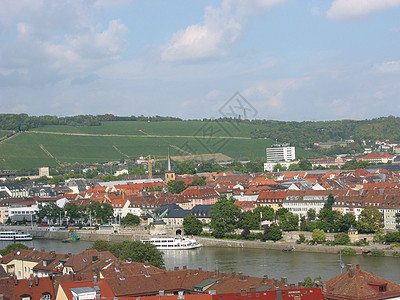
x=169, y=174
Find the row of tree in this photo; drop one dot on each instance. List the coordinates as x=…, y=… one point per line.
x=226, y=217
x=95, y=212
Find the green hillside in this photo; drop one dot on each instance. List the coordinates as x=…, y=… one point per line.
x=170, y=128
x=24, y=151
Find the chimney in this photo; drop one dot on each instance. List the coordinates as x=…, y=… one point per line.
x=252, y=289
x=292, y=286
x=243, y=292
x=351, y=270
x=278, y=294
x=184, y=268
x=176, y=268
x=358, y=267
x=265, y=279
x=300, y=284
x=15, y=280
x=36, y=281
x=94, y=279
x=276, y=283
x=200, y=268
x=284, y=280
x=233, y=274
x=181, y=295
x=242, y=277
x=71, y=276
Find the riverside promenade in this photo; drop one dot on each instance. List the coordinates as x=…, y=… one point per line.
x=139, y=234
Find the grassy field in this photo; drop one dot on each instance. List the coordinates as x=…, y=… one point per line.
x=24, y=151
x=171, y=128
x=4, y=133
x=32, y=150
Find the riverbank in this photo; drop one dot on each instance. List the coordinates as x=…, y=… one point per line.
x=87, y=235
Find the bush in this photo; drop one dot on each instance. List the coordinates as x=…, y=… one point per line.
x=392, y=237
x=233, y=236
x=342, y=238
x=377, y=252
x=396, y=254
x=302, y=238
x=205, y=234
x=348, y=251
x=245, y=233
x=318, y=235
x=361, y=243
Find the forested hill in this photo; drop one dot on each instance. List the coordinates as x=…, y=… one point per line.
x=304, y=134
x=301, y=134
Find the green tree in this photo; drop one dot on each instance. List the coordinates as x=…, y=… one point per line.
x=311, y=214
x=275, y=234
x=305, y=165
x=51, y=211
x=137, y=251
x=224, y=217
x=294, y=167
x=280, y=213
x=245, y=233
x=192, y=225
x=328, y=220
x=265, y=213
x=175, y=187
x=102, y=212
x=279, y=168
x=249, y=219
x=130, y=220
x=342, y=238
x=308, y=283
x=75, y=212
x=12, y=247
x=329, y=202
x=289, y=222
x=318, y=236
x=370, y=220
x=345, y=222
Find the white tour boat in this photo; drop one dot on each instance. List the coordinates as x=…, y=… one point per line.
x=173, y=243
x=17, y=235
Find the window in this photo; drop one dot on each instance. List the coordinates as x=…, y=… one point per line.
x=25, y=297
x=46, y=296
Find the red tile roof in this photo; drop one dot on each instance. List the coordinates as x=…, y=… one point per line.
x=358, y=284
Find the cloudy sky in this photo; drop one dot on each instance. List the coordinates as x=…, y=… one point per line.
x=291, y=59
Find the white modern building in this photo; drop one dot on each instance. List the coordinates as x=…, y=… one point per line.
x=279, y=153
x=282, y=154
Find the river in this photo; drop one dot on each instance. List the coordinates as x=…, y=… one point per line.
x=255, y=262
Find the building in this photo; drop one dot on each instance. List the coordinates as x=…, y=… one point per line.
x=279, y=153
x=355, y=283
x=282, y=154
x=44, y=171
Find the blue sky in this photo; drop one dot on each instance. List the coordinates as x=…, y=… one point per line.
x=291, y=59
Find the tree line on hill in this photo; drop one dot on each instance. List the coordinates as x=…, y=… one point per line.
x=23, y=122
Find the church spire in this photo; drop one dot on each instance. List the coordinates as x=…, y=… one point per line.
x=169, y=162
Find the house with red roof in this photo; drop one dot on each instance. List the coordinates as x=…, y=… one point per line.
x=357, y=284
x=200, y=195
x=378, y=158
x=97, y=288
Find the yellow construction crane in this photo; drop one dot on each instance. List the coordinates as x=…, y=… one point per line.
x=149, y=162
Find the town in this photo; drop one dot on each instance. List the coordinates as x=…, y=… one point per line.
x=355, y=209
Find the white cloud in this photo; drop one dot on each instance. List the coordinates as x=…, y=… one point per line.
x=387, y=67
x=222, y=26
x=54, y=40
x=273, y=91
x=351, y=9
